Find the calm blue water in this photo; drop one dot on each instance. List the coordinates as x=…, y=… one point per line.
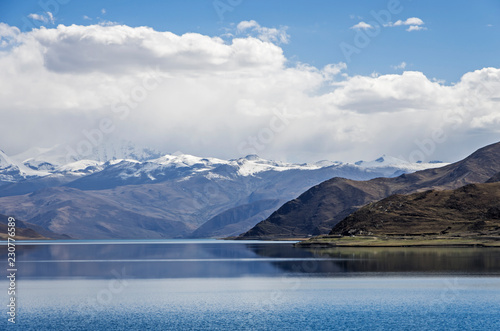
x=216, y=285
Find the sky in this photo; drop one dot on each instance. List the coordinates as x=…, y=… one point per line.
x=296, y=81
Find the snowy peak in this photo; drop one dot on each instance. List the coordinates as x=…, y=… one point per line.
x=81, y=167
x=252, y=165
x=31, y=153
x=123, y=163
x=51, y=159
x=246, y=166
x=327, y=163
x=185, y=160
x=252, y=157
x=11, y=171
x=122, y=150
x=136, y=161
x=43, y=158
x=5, y=161
x=392, y=162
x=382, y=161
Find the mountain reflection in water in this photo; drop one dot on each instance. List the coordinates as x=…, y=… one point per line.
x=219, y=259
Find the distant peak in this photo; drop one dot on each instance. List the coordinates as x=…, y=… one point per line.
x=252, y=157
x=324, y=163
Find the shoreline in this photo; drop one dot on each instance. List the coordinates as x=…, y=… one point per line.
x=414, y=241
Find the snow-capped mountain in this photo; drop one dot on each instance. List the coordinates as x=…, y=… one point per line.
x=9, y=171
x=118, y=150
x=49, y=159
x=122, y=191
x=5, y=161
x=391, y=166
x=12, y=171
x=131, y=164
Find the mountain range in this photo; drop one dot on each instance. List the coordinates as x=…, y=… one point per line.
x=471, y=210
x=323, y=206
x=122, y=191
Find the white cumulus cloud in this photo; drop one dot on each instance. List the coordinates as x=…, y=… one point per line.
x=415, y=28
x=410, y=21
x=361, y=26
x=273, y=35
x=402, y=65
x=225, y=98
x=413, y=23
x=46, y=17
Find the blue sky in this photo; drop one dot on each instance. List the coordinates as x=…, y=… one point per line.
x=289, y=80
x=460, y=35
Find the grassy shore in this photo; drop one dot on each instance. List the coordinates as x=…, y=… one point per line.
x=403, y=241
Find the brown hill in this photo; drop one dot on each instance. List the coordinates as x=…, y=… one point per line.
x=25, y=230
x=471, y=210
x=87, y=215
x=320, y=208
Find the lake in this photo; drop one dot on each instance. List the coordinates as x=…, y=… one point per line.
x=248, y=285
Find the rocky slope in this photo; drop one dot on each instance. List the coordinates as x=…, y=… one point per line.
x=320, y=208
x=471, y=210
x=25, y=230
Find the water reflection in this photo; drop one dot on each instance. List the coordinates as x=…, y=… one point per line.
x=211, y=259
x=399, y=260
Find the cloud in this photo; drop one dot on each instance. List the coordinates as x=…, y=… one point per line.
x=51, y=17
x=103, y=11
x=409, y=21
x=402, y=65
x=46, y=17
x=38, y=17
x=224, y=98
x=8, y=35
x=265, y=34
x=415, y=28
x=332, y=70
x=414, y=23
x=118, y=48
x=85, y=17
x=361, y=26
x=245, y=25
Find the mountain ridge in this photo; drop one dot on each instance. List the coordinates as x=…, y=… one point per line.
x=470, y=210
x=323, y=206
x=170, y=196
